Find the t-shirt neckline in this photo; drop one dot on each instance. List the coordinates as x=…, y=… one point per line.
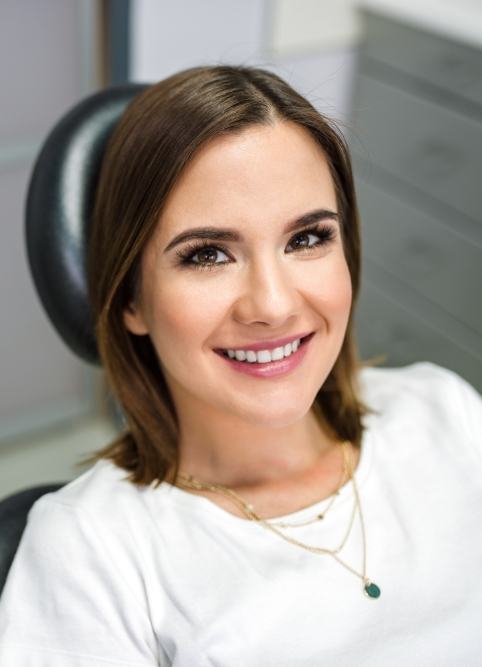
x=197, y=503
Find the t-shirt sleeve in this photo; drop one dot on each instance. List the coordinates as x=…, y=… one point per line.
x=464, y=403
x=470, y=408
x=66, y=603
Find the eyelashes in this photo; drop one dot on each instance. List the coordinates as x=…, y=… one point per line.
x=325, y=234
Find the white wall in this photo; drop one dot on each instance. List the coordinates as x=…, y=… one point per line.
x=311, y=43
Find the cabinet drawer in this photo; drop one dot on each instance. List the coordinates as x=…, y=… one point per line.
x=454, y=67
x=384, y=325
x=436, y=150
x=429, y=255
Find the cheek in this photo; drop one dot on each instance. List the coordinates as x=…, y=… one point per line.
x=184, y=316
x=343, y=293
x=331, y=289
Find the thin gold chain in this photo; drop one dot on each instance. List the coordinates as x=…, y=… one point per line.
x=370, y=589
x=334, y=495
x=192, y=483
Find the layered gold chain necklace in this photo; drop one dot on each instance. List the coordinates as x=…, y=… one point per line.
x=369, y=588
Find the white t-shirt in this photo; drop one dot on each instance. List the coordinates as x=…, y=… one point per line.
x=108, y=573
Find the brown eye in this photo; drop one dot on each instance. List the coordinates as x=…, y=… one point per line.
x=206, y=254
x=301, y=237
x=203, y=255
x=324, y=234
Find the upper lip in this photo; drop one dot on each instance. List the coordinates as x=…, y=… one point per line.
x=268, y=344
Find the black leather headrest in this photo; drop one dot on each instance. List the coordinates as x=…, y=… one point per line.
x=60, y=200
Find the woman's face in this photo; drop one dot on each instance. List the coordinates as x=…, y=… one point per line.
x=262, y=283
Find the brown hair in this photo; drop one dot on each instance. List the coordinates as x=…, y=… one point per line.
x=157, y=135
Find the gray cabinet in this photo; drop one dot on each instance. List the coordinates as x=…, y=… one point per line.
x=416, y=142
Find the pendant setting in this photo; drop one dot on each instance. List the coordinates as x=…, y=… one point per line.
x=371, y=590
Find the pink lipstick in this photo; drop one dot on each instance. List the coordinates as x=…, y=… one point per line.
x=270, y=368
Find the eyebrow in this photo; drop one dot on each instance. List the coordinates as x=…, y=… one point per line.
x=221, y=234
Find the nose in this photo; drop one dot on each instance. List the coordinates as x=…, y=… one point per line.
x=269, y=294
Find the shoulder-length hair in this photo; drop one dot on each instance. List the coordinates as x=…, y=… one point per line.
x=156, y=137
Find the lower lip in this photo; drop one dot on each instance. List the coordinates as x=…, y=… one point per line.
x=270, y=368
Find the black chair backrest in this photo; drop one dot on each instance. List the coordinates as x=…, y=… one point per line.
x=13, y=518
x=59, y=205
x=60, y=200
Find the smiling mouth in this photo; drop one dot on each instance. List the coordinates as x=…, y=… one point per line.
x=265, y=356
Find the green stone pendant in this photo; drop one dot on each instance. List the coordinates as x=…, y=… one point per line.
x=372, y=590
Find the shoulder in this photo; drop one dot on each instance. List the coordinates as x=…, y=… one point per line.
x=423, y=391
x=79, y=553
x=420, y=373
x=99, y=489
x=90, y=525
x=101, y=500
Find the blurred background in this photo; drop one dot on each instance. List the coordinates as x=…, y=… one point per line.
x=403, y=80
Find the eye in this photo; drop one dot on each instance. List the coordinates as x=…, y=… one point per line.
x=206, y=252
x=324, y=235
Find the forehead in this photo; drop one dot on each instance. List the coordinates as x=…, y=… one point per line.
x=266, y=172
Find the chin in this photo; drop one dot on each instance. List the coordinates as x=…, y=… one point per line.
x=273, y=415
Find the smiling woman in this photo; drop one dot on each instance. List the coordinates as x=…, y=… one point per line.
x=270, y=283
x=243, y=211
x=265, y=473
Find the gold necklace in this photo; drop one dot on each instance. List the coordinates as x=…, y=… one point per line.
x=192, y=483
x=370, y=589
x=321, y=515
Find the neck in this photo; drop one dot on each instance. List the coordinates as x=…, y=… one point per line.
x=250, y=457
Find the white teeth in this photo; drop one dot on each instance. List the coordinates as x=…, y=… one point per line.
x=264, y=356
x=278, y=353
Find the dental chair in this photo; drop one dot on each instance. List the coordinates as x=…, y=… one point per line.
x=59, y=204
